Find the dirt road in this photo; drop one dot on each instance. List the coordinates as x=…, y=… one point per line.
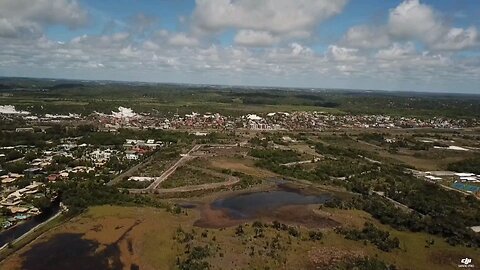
x=184, y=158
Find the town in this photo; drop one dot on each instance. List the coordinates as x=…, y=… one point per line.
x=26, y=168
x=79, y=168
x=275, y=121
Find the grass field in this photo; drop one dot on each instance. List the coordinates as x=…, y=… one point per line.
x=245, y=166
x=149, y=238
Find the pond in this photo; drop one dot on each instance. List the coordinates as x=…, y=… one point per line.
x=251, y=204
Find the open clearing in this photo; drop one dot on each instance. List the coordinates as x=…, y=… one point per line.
x=245, y=166
x=145, y=238
x=189, y=176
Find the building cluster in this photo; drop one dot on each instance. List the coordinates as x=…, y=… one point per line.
x=66, y=160
x=17, y=201
x=134, y=149
x=299, y=120
x=466, y=182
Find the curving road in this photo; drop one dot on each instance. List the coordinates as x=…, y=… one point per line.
x=153, y=187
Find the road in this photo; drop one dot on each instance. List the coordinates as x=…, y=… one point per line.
x=300, y=162
x=231, y=180
x=61, y=211
x=399, y=204
x=153, y=187
x=184, y=158
x=174, y=167
x=130, y=171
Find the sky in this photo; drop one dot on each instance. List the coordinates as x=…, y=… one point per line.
x=409, y=45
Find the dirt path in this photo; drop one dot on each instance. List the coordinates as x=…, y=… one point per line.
x=173, y=168
x=153, y=187
x=130, y=171
x=230, y=182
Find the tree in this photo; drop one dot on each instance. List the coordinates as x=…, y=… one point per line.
x=42, y=203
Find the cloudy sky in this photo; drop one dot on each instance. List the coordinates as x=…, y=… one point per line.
x=409, y=45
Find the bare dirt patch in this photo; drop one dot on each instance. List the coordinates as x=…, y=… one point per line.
x=301, y=215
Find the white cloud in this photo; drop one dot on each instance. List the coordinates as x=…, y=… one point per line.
x=254, y=38
x=278, y=29
x=363, y=36
x=298, y=49
x=120, y=56
x=342, y=54
x=267, y=20
x=29, y=17
x=181, y=39
x=397, y=51
x=104, y=41
x=14, y=28
x=457, y=39
x=412, y=20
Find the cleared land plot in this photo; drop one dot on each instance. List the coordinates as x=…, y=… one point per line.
x=156, y=167
x=189, y=176
x=245, y=166
x=234, y=159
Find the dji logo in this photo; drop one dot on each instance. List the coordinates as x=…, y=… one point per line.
x=466, y=263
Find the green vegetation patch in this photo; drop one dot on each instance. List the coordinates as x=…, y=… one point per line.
x=187, y=176
x=379, y=238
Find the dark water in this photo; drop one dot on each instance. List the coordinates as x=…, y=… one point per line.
x=70, y=251
x=250, y=204
x=18, y=230
x=187, y=205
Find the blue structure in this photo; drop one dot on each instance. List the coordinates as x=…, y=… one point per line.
x=465, y=187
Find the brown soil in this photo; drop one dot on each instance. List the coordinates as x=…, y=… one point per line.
x=215, y=218
x=302, y=215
